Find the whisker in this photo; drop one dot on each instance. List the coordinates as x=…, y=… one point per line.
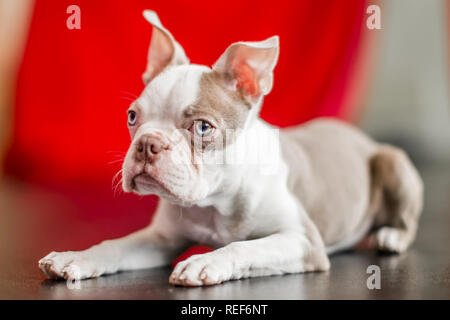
x=116, y=176
x=119, y=156
x=117, y=187
x=127, y=98
x=129, y=93
x=115, y=161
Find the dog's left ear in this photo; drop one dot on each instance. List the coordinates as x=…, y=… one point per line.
x=248, y=66
x=164, y=49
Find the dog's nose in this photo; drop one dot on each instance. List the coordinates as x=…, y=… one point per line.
x=148, y=147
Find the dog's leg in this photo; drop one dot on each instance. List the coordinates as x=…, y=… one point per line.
x=280, y=253
x=402, y=200
x=156, y=245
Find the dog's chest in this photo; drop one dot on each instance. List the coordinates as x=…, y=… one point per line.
x=208, y=226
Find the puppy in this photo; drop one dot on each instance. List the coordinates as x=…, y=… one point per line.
x=310, y=191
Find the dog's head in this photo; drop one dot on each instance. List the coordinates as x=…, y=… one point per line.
x=187, y=113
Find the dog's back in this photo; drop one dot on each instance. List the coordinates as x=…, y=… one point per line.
x=335, y=172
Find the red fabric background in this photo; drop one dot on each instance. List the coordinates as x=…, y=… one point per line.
x=74, y=85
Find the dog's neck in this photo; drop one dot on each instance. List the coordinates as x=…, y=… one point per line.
x=235, y=181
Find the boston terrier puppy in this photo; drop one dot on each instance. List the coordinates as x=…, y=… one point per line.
x=271, y=201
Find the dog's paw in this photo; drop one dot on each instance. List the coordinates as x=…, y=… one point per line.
x=391, y=240
x=68, y=265
x=386, y=239
x=201, y=270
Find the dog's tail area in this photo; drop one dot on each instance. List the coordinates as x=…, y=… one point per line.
x=400, y=195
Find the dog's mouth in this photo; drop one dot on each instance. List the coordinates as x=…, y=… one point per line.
x=145, y=183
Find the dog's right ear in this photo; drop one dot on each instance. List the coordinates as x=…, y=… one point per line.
x=164, y=50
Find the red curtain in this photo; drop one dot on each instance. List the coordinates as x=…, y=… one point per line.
x=74, y=86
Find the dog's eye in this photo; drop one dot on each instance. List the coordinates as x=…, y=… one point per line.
x=202, y=128
x=132, y=118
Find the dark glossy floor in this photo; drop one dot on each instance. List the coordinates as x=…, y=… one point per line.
x=34, y=221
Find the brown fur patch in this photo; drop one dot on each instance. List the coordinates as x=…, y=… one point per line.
x=226, y=107
x=219, y=100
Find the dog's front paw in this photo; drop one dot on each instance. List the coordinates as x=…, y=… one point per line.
x=201, y=270
x=68, y=265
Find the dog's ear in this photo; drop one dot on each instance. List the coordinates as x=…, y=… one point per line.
x=248, y=66
x=164, y=50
